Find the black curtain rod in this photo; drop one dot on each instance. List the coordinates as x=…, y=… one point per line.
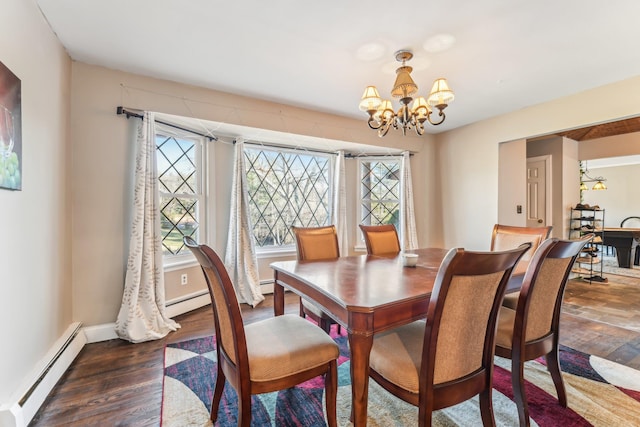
x=315, y=150
x=288, y=147
x=122, y=110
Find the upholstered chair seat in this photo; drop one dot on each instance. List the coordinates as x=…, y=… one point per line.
x=401, y=367
x=276, y=349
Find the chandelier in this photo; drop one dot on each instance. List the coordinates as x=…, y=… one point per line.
x=381, y=114
x=584, y=178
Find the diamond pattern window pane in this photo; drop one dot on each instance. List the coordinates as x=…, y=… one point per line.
x=179, y=192
x=286, y=188
x=176, y=165
x=380, y=192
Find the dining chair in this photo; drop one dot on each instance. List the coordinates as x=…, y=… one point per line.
x=532, y=329
x=381, y=239
x=315, y=244
x=633, y=222
x=509, y=237
x=449, y=358
x=273, y=354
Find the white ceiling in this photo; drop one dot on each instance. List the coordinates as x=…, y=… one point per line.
x=507, y=55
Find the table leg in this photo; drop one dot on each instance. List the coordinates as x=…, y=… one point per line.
x=278, y=297
x=360, y=346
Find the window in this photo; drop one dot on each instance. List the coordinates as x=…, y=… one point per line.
x=286, y=188
x=380, y=191
x=179, y=165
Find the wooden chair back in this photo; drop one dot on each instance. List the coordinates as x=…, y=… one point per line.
x=540, y=301
x=510, y=236
x=532, y=329
x=231, y=340
x=449, y=358
x=461, y=320
x=316, y=243
x=381, y=239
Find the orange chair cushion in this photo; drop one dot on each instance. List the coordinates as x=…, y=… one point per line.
x=318, y=246
x=385, y=242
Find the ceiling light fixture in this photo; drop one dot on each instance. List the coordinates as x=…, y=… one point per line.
x=381, y=114
x=599, y=180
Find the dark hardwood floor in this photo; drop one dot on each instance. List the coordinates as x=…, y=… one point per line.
x=117, y=383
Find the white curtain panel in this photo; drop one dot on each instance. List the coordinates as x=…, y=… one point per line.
x=409, y=233
x=142, y=314
x=240, y=258
x=340, y=204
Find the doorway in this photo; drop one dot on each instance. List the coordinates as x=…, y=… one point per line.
x=538, y=206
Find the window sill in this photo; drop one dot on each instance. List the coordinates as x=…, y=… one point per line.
x=179, y=263
x=360, y=248
x=275, y=253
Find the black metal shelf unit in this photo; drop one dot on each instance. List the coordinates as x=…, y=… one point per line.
x=584, y=220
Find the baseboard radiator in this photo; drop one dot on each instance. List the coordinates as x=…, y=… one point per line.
x=21, y=410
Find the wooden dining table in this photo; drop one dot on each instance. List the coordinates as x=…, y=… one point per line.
x=365, y=294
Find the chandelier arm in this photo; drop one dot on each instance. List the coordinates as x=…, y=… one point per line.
x=597, y=178
x=440, y=114
x=384, y=130
x=374, y=124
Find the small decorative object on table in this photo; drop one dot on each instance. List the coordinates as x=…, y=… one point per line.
x=409, y=260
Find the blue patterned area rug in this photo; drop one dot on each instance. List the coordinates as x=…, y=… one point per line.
x=600, y=393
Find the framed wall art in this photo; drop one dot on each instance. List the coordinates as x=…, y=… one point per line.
x=10, y=130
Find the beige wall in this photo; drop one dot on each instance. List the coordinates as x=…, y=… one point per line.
x=621, y=199
x=613, y=146
x=570, y=184
x=512, y=180
x=101, y=177
x=35, y=275
x=468, y=156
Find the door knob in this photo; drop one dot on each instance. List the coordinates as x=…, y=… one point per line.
x=539, y=221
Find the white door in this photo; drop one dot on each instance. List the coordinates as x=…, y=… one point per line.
x=536, y=193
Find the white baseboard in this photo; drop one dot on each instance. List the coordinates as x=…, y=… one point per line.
x=187, y=303
x=43, y=378
x=107, y=331
x=103, y=332
x=266, y=286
